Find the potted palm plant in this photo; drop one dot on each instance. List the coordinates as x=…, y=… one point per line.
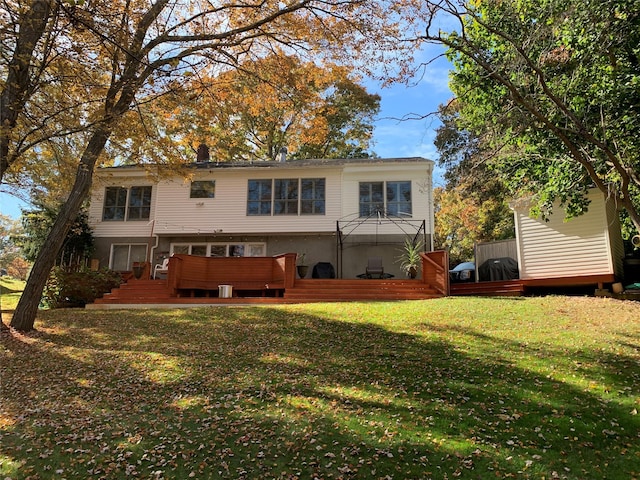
x=410, y=259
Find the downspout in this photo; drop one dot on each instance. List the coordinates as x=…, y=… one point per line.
x=153, y=224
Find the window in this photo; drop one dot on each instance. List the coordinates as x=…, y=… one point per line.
x=259, y=197
x=184, y=249
x=139, y=203
x=220, y=249
x=371, y=198
x=399, y=199
x=198, y=249
x=255, y=250
x=285, y=196
x=385, y=198
x=132, y=204
x=312, y=201
x=123, y=256
x=203, y=189
x=291, y=196
x=115, y=203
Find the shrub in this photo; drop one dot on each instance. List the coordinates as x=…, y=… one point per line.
x=76, y=289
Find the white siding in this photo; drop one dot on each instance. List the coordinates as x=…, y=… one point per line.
x=177, y=213
x=421, y=185
x=560, y=248
x=174, y=213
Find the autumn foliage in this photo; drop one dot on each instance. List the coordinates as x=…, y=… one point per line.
x=251, y=113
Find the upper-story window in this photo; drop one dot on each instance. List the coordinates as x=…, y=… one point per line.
x=259, y=197
x=390, y=198
x=312, y=193
x=122, y=203
x=286, y=196
x=371, y=198
x=399, y=199
x=203, y=189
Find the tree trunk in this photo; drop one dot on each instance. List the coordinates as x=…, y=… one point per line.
x=18, y=83
x=27, y=309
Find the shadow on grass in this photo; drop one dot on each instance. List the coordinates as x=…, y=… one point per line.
x=5, y=290
x=274, y=393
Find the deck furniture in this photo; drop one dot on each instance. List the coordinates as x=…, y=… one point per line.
x=161, y=268
x=374, y=268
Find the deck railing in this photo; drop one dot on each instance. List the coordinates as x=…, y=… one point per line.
x=435, y=270
x=189, y=272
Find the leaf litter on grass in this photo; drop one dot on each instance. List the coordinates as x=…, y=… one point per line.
x=523, y=388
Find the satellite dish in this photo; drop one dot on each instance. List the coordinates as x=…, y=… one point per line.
x=635, y=241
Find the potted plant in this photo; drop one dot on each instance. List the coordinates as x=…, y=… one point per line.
x=138, y=269
x=410, y=259
x=302, y=267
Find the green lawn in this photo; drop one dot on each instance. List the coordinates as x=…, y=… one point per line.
x=538, y=388
x=10, y=291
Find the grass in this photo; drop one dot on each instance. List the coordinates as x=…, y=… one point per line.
x=538, y=388
x=10, y=291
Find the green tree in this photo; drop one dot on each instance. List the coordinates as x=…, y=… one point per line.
x=553, y=88
x=36, y=224
x=10, y=232
x=473, y=206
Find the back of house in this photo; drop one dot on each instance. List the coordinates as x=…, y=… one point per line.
x=337, y=212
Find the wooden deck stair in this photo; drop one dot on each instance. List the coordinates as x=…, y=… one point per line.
x=138, y=291
x=327, y=290
x=305, y=290
x=499, y=288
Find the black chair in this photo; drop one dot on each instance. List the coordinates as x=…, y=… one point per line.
x=374, y=268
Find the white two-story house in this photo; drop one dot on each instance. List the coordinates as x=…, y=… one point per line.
x=337, y=211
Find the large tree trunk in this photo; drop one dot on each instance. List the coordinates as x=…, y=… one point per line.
x=25, y=315
x=18, y=82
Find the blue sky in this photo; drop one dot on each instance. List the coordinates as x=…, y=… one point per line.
x=392, y=137
x=411, y=137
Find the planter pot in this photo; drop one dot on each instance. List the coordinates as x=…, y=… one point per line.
x=302, y=270
x=138, y=271
x=412, y=272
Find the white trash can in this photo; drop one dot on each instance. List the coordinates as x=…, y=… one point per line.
x=225, y=291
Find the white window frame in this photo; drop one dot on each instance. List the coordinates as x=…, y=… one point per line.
x=129, y=259
x=127, y=207
x=248, y=247
x=385, y=198
x=291, y=202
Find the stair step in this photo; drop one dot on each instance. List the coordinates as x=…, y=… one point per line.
x=305, y=290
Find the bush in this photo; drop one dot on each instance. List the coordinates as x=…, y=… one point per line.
x=75, y=289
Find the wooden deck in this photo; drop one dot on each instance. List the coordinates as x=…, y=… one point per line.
x=521, y=287
x=499, y=288
x=268, y=280
x=158, y=292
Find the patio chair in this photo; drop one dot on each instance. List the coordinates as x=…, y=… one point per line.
x=161, y=268
x=374, y=268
